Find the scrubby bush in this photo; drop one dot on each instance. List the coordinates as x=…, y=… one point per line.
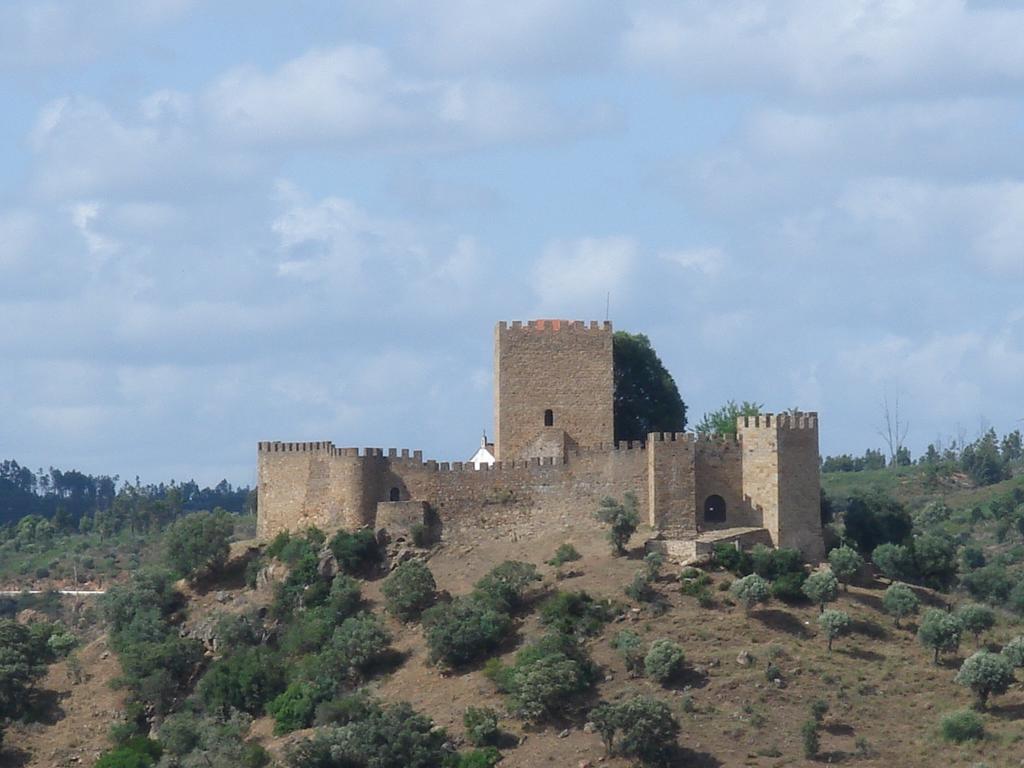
x=821, y=587
x=641, y=588
x=962, y=726
x=770, y=563
x=345, y=597
x=1015, y=602
x=246, y=680
x=1014, y=651
x=819, y=708
x=985, y=673
x=873, y=518
x=360, y=643
x=845, y=564
x=900, y=601
x=750, y=590
x=294, y=707
x=464, y=630
x=576, y=613
x=505, y=585
x=648, y=729
x=935, y=560
x=21, y=664
x=409, y=590
x=546, y=674
x=139, y=752
x=976, y=619
x=623, y=519
x=990, y=582
x=566, y=553
x=390, y=737
x=894, y=561
x=810, y=738
x=833, y=624
x=939, y=631
x=344, y=709
x=664, y=661
x=630, y=648
x=356, y=553
x=198, y=543
x=487, y=757
x=192, y=741
x=729, y=558
x=481, y=725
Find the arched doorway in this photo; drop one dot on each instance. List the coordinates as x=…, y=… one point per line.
x=714, y=509
x=549, y=418
x=395, y=495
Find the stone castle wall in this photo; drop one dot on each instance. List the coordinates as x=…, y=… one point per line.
x=558, y=365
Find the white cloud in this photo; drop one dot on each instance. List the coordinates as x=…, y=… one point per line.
x=580, y=273
x=707, y=261
x=825, y=49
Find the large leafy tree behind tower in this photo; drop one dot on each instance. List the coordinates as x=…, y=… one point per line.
x=646, y=396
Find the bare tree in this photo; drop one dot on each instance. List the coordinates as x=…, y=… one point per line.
x=894, y=430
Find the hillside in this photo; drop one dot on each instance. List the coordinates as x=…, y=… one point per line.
x=885, y=697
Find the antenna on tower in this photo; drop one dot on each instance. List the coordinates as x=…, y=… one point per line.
x=607, y=305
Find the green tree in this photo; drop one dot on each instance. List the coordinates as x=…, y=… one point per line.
x=845, y=564
x=294, y=707
x=21, y=664
x=977, y=619
x=940, y=631
x=345, y=597
x=833, y=624
x=481, y=725
x=360, y=643
x=821, y=587
x=1014, y=651
x=623, y=519
x=900, y=601
x=873, y=519
x=649, y=730
x=464, y=630
x=894, y=561
x=750, y=590
x=723, y=421
x=246, y=680
x=935, y=560
x=546, y=675
x=505, y=585
x=198, y=543
x=986, y=673
x=409, y=590
x=962, y=726
x=630, y=648
x=646, y=396
x=810, y=737
x=664, y=661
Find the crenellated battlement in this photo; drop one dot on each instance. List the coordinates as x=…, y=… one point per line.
x=808, y=420
x=276, y=446
x=568, y=326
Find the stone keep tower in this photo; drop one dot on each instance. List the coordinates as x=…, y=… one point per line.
x=553, y=388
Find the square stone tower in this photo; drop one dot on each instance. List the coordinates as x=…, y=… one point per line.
x=553, y=387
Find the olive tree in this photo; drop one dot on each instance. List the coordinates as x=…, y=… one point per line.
x=845, y=562
x=900, y=601
x=409, y=590
x=623, y=519
x=1014, y=651
x=976, y=619
x=833, y=624
x=750, y=590
x=663, y=661
x=940, y=631
x=986, y=673
x=821, y=587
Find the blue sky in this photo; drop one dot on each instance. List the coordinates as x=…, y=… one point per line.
x=237, y=221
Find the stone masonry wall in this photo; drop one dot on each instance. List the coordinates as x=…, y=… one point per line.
x=565, y=366
x=670, y=478
x=800, y=487
x=718, y=469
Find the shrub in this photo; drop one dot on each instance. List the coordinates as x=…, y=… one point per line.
x=976, y=619
x=750, y=590
x=345, y=597
x=630, y=648
x=481, y=726
x=649, y=730
x=1014, y=651
x=939, y=631
x=395, y=737
x=356, y=646
x=819, y=708
x=845, y=564
x=356, y=553
x=874, y=518
x=985, y=673
x=245, y=681
x=894, y=561
x=640, y=589
x=545, y=674
x=198, y=543
x=409, y=590
x=935, y=560
x=653, y=563
x=566, y=553
x=833, y=624
x=479, y=758
x=734, y=560
x=770, y=563
x=623, y=519
x=663, y=661
x=900, y=601
x=344, y=709
x=789, y=587
x=962, y=726
x=293, y=708
x=136, y=753
x=506, y=584
x=1016, y=599
x=990, y=582
x=576, y=613
x=464, y=630
x=810, y=738
x=821, y=587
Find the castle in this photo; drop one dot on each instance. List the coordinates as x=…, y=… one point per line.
x=556, y=454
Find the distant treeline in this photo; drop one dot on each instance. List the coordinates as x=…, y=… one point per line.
x=989, y=459
x=75, y=500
